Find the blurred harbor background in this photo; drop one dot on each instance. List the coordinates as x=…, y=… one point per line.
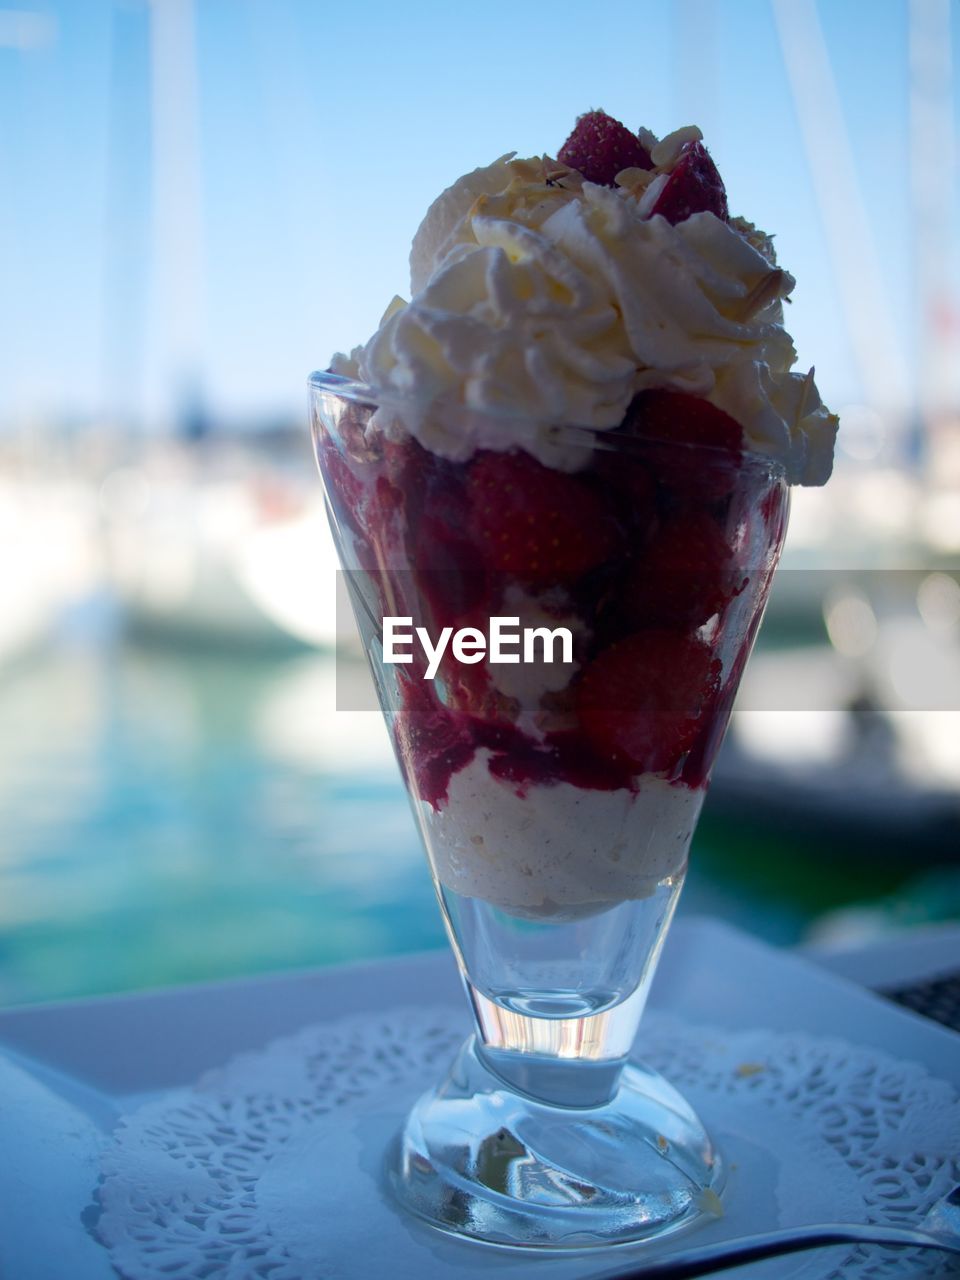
x=204, y=199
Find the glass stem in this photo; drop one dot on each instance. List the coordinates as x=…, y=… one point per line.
x=567, y=1062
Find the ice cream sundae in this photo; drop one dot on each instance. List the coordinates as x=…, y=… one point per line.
x=577, y=435
x=609, y=290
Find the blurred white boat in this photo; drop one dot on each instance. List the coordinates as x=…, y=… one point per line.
x=50, y=560
x=238, y=559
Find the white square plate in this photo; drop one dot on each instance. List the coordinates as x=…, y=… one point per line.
x=68, y=1072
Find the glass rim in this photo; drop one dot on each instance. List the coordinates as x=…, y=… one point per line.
x=606, y=439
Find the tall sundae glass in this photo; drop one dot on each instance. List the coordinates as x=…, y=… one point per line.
x=557, y=596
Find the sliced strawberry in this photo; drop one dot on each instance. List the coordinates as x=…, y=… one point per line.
x=694, y=186
x=534, y=523
x=685, y=576
x=641, y=701
x=600, y=147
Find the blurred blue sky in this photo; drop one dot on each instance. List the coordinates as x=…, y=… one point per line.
x=324, y=130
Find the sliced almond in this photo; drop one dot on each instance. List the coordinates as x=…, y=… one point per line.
x=634, y=180
x=767, y=289
x=667, y=151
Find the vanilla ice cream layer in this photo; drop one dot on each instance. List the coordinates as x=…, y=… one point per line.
x=557, y=850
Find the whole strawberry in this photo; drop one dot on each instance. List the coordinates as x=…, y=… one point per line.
x=533, y=523
x=672, y=420
x=694, y=186
x=600, y=147
x=641, y=700
x=684, y=576
x=663, y=414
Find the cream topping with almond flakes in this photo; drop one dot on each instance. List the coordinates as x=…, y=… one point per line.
x=542, y=299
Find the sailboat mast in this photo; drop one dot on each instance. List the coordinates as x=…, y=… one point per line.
x=867, y=309
x=932, y=168
x=177, y=224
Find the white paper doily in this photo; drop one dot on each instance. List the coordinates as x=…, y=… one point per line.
x=268, y=1168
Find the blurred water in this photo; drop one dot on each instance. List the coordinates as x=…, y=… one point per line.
x=176, y=814
x=169, y=816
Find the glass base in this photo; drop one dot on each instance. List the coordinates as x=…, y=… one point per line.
x=480, y=1159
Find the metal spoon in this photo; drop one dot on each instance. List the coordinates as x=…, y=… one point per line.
x=939, y=1229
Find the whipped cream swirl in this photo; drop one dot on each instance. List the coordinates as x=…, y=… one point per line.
x=539, y=297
